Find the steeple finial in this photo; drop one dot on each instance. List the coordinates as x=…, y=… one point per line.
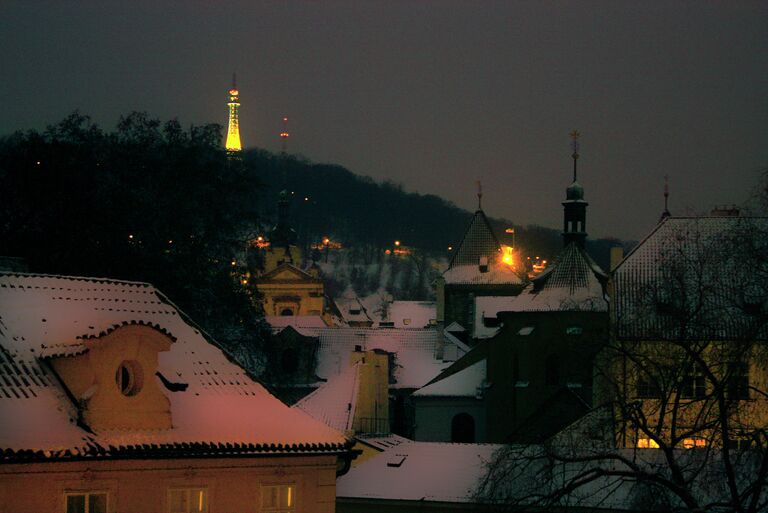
x=666, y=213
x=479, y=195
x=575, y=147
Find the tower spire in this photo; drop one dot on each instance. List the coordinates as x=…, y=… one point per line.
x=666, y=213
x=574, y=206
x=479, y=195
x=233, y=130
x=575, y=147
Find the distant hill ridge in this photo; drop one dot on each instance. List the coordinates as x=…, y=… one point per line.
x=329, y=200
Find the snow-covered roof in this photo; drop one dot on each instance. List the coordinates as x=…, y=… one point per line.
x=478, y=241
x=278, y=322
x=222, y=411
x=498, y=273
x=416, y=362
x=412, y=314
x=573, y=282
x=701, y=275
x=382, y=442
x=420, y=471
x=352, y=309
x=334, y=402
x=488, y=307
x=467, y=382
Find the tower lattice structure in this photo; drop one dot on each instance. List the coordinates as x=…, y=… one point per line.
x=233, y=130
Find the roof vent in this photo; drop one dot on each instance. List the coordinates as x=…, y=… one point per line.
x=396, y=460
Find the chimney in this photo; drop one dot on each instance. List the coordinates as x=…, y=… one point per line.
x=372, y=410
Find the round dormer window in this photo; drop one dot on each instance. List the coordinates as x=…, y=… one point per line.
x=129, y=378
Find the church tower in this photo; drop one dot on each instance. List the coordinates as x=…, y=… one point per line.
x=233, y=130
x=574, y=206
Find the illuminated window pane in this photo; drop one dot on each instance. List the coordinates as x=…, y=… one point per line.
x=188, y=500
x=647, y=443
x=278, y=499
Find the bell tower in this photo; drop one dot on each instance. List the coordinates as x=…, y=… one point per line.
x=574, y=206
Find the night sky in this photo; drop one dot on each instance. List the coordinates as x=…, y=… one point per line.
x=435, y=95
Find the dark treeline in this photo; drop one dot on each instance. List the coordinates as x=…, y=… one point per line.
x=328, y=200
x=152, y=201
x=149, y=201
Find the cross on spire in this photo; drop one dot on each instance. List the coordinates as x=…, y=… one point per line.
x=666, y=198
x=575, y=147
x=479, y=195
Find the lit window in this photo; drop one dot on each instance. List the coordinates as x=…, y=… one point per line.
x=694, y=443
x=278, y=498
x=86, y=502
x=647, y=443
x=187, y=500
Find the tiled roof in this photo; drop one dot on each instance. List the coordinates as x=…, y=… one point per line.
x=479, y=240
x=497, y=274
x=334, y=402
x=223, y=411
x=420, y=471
x=467, y=382
x=706, y=271
x=573, y=282
x=415, y=352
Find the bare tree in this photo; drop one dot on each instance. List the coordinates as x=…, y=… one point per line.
x=682, y=386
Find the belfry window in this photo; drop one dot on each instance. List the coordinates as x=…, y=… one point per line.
x=129, y=378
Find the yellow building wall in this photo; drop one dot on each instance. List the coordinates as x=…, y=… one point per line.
x=301, y=298
x=92, y=378
x=748, y=414
x=141, y=486
x=373, y=392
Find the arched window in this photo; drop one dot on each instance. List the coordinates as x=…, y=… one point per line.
x=463, y=428
x=286, y=312
x=552, y=370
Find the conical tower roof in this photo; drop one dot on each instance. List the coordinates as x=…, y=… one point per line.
x=478, y=241
x=574, y=282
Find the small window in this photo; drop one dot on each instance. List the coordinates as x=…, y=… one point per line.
x=524, y=332
x=129, y=378
x=286, y=312
x=694, y=443
x=574, y=330
x=278, y=499
x=187, y=500
x=647, y=443
x=406, y=321
x=693, y=385
x=86, y=502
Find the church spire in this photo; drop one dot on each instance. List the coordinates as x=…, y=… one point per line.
x=666, y=213
x=574, y=206
x=233, y=130
x=479, y=195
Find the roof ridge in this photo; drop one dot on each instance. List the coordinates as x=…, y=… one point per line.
x=77, y=278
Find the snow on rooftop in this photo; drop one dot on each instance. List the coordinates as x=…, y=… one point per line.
x=574, y=282
x=414, y=349
x=488, y=307
x=420, y=471
x=470, y=274
x=465, y=383
x=51, y=315
x=334, y=402
x=413, y=314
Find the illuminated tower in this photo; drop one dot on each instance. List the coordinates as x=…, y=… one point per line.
x=575, y=208
x=233, y=131
x=284, y=135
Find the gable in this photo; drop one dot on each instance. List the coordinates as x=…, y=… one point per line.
x=287, y=273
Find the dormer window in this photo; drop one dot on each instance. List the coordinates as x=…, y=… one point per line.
x=483, y=264
x=129, y=378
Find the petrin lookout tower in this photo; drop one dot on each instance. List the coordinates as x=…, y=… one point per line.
x=233, y=130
